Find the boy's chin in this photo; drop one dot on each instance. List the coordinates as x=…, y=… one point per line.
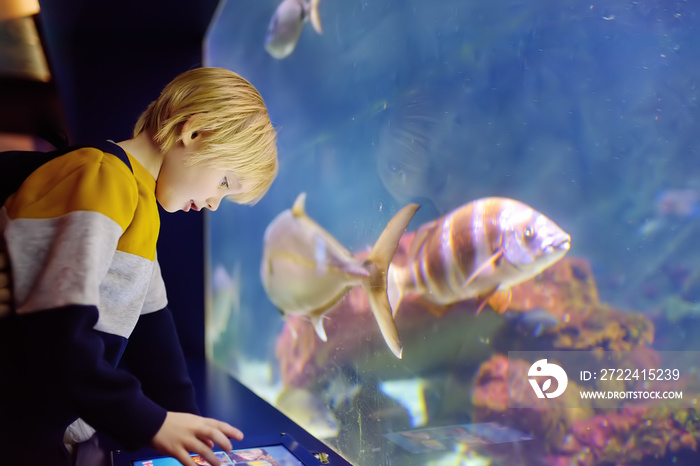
x=168, y=207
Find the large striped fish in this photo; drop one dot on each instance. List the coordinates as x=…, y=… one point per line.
x=306, y=271
x=479, y=250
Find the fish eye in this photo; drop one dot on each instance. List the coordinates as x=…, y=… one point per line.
x=529, y=233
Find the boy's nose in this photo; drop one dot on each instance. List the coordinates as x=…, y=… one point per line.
x=213, y=203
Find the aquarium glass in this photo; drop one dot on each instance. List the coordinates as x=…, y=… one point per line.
x=586, y=112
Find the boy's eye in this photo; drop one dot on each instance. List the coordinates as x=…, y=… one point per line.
x=224, y=183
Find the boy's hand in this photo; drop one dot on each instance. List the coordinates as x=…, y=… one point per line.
x=183, y=433
x=5, y=288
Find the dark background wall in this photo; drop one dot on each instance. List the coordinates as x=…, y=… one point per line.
x=110, y=59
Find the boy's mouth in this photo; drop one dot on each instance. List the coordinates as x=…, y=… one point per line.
x=191, y=206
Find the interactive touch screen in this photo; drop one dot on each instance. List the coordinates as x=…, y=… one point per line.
x=274, y=455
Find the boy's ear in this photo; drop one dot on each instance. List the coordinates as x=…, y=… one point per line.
x=190, y=132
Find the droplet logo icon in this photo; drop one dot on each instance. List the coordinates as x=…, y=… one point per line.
x=542, y=368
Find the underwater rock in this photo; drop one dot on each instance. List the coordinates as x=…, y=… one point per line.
x=567, y=290
x=567, y=284
x=631, y=435
x=605, y=328
x=569, y=431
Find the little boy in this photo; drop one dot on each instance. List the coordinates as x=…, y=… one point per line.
x=81, y=235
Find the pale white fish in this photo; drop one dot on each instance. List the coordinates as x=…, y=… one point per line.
x=225, y=302
x=306, y=409
x=287, y=23
x=409, y=393
x=259, y=377
x=341, y=390
x=298, y=284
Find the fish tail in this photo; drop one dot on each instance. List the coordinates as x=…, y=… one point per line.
x=382, y=312
x=314, y=16
x=383, y=250
x=378, y=265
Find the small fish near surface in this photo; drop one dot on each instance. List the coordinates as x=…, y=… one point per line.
x=287, y=23
x=479, y=250
x=306, y=271
x=533, y=323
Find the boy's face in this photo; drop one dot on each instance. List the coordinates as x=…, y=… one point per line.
x=193, y=187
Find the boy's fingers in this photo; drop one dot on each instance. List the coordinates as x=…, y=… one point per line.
x=5, y=295
x=4, y=278
x=230, y=431
x=205, y=452
x=219, y=438
x=184, y=457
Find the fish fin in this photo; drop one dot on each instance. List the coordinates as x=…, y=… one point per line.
x=317, y=322
x=381, y=254
x=314, y=16
x=379, y=304
x=383, y=250
x=378, y=264
x=495, y=257
x=298, y=209
x=481, y=300
x=500, y=300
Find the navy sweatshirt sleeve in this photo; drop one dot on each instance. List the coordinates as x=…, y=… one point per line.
x=70, y=354
x=154, y=355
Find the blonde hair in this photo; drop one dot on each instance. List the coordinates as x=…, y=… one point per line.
x=231, y=116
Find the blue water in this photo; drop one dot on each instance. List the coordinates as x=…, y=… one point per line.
x=586, y=111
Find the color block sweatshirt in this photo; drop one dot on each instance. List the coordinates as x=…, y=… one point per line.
x=81, y=233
